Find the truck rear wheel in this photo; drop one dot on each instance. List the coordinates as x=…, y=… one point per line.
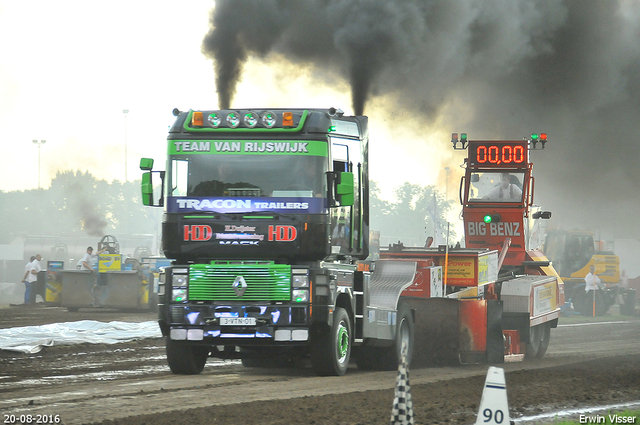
x=534, y=342
x=331, y=350
x=392, y=356
x=185, y=358
x=545, y=334
x=388, y=358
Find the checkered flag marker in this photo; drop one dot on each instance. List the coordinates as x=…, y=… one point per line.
x=402, y=411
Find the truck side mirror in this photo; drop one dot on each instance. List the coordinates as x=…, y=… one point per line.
x=148, y=189
x=545, y=215
x=344, y=189
x=146, y=164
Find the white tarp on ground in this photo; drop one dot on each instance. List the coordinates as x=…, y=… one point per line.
x=31, y=339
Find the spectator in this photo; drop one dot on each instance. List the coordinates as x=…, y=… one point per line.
x=32, y=278
x=27, y=284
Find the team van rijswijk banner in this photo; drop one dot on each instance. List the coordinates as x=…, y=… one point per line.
x=263, y=147
x=282, y=205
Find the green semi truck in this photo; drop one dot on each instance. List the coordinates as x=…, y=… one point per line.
x=266, y=218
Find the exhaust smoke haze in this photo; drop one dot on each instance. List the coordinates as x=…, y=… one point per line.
x=497, y=69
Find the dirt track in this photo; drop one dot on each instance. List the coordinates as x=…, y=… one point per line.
x=130, y=383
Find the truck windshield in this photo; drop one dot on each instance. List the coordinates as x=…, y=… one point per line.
x=248, y=175
x=496, y=187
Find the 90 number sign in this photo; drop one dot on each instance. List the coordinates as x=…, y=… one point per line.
x=501, y=154
x=491, y=417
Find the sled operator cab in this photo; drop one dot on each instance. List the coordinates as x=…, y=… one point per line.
x=496, y=193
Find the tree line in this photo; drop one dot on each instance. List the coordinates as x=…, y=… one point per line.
x=78, y=202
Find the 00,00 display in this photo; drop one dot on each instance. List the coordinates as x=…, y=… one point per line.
x=501, y=155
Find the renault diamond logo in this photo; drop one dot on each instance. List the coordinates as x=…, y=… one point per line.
x=239, y=286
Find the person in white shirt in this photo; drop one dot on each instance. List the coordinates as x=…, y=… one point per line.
x=32, y=278
x=86, y=263
x=507, y=191
x=27, y=284
x=591, y=280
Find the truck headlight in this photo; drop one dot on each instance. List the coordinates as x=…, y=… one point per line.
x=301, y=295
x=179, y=295
x=179, y=280
x=300, y=281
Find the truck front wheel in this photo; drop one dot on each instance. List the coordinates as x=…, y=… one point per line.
x=185, y=358
x=331, y=349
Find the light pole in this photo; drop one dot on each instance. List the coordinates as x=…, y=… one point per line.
x=39, y=143
x=446, y=184
x=125, y=112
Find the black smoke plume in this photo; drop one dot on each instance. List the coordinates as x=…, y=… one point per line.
x=494, y=69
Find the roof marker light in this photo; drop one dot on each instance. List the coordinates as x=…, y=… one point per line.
x=251, y=119
x=196, y=119
x=233, y=119
x=215, y=119
x=287, y=119
x=268, y=119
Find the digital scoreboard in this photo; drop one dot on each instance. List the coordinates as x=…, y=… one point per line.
x=509, y=154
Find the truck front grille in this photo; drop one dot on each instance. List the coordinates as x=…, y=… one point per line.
x=264, y=282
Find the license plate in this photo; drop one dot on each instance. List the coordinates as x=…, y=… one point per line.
x=237, y=321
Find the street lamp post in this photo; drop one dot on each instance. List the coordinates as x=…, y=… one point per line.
x=39, y=143
x=446, y=184
x=125, y=112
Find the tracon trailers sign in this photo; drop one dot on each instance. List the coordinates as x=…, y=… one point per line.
x=245, y=205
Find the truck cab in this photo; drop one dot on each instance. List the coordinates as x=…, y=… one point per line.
x=265, y=216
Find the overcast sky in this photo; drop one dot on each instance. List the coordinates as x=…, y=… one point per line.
x=68, y=69
x=495, y=69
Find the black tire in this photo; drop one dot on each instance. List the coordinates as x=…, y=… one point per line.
x=331, y=348
x=185, y=358
x=405, y=329
x=602, y=303
x=388, y=358
x=533, y=342
x=579, y=300
x=545, y=334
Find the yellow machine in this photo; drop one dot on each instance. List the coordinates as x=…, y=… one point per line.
x=572, y=253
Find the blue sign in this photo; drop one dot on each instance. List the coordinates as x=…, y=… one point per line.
x=246, y=205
